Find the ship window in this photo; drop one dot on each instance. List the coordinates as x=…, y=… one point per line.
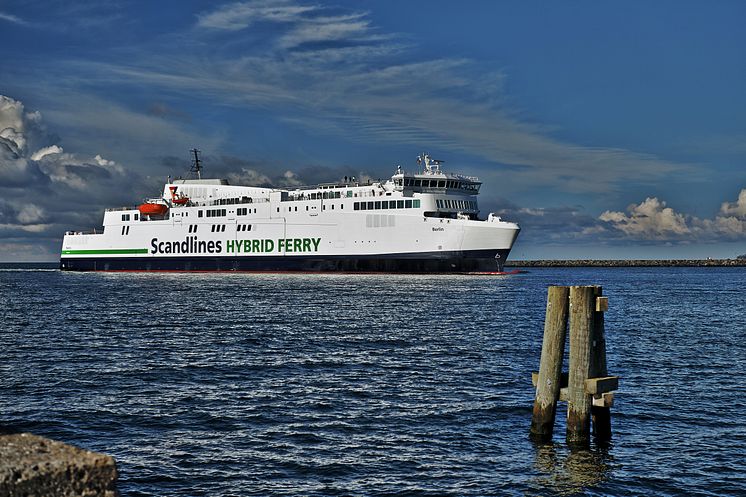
x=122, y=220
x=222, y=213
x=199, y=213
x=212, y=228
x=278, y=209
x=137, y=217
x=356, y=206
x=342, y=206
x=332, y=206
x=377, y=205
x=363, y=206
x=437, y=204
x=416, y=203
x=223, y=228
x=384, y=204
x=408, y=204
x=249, y=227
x=399, y=204
x=306, y=207
x=323, y=207
x=441, y=184
x=418, y=182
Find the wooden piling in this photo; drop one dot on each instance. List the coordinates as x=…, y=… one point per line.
x=550, y=367
x=600, y=411
x=582, y=309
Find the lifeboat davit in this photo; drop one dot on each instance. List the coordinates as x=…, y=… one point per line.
x=181, y=200
x=152, y=209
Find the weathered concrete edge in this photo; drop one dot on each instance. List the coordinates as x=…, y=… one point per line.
x=34, y=465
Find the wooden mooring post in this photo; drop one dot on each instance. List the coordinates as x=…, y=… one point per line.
x=586, y=387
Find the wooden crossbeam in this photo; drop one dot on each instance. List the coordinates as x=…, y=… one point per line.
x=601, y=385
x=535, y=379
x=593, y=386
x=602, y=304
x=605, y=399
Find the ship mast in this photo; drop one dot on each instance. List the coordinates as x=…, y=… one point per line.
x=196, y=163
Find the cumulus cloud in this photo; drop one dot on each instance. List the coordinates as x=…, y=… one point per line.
x=653, y=220
x=735, y=209
x=45, y=190
x=650, y=219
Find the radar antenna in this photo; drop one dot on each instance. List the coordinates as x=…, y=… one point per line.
x=432, y=166
x=196, y=163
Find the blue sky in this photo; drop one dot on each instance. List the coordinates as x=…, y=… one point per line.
x=607, y=130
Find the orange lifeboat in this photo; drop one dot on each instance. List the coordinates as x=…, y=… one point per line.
x=152, y=209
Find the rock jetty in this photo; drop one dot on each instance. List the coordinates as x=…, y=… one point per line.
x=33, y=465
x=630, y=263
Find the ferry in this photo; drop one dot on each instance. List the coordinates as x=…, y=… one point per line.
x=422, y=222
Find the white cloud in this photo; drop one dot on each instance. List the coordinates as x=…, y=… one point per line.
x=12, y=18
x=328, y=29
x=43, y=152
x=30, y=214
x=737, y=208
x=652, y=220
x=45, y=190
x=241, y=15
x=345, y=80
x=249, y=177
x=649, y=220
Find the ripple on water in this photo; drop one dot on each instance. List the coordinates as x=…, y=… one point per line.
x=371, y=385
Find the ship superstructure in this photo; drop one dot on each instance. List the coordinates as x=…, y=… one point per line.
x=420, y=222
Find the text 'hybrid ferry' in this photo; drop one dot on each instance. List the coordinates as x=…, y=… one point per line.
x=425, y=222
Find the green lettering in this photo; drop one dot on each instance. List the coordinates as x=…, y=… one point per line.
x=255, y=246
x=247, y=245
x=269, y=245
x=297, y=245
x=306, y=245
x=229, y=246
x=316, y=242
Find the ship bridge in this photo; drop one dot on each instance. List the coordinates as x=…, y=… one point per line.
x=433, y=180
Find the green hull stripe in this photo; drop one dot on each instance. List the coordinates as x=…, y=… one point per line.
x=105, y=251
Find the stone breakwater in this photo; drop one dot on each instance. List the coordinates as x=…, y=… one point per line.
x=630, y=263
x=35, y=466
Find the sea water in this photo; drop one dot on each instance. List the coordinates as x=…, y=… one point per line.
x=345, y=384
